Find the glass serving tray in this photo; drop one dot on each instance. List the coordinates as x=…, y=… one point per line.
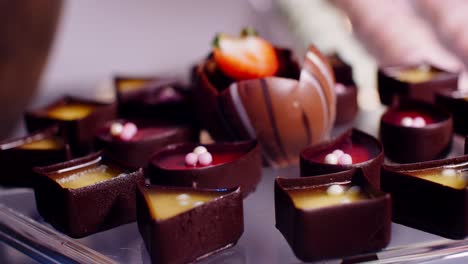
x=22, y=228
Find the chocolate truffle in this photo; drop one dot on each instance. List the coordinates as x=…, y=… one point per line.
x=332, y=216
x=233, y=164
x=430, y=196
x=285, y=112
x=18, y=156
x=181, y=225
x=163, y=98
x=150, y=136
x=456, y=102
x=86, y=195
x=414, y=82
x=352, y=149
x=78, y=120
x=416, y=131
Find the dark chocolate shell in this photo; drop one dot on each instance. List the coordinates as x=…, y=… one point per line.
x=135, y=153
x=456, y=102
x=428, y=205
x=414, y=144
x=283, y=113
x=244, y=170
x=333, y=231
x=371, y=167
x=392, y=89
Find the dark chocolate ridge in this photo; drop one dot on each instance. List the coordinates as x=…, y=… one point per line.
x=163, y=237
x=108, y=203
x=244, y=172
x=391, y=89
x=428, y=209
x=371, y=167
x=409, y=144
x=301, y=227
x=271, y=116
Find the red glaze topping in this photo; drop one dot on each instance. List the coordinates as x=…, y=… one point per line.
x=359, y=153
x=397, y=117
x=176, y=161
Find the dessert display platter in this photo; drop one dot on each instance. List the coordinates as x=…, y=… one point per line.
x=24, y=229
x=288, y=178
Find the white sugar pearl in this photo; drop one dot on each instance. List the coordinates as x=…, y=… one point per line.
x=345, y=201
x=340, y=88
x=182, y=197
x=115, y=129
x=198, y=203
x=407, y=121
x=449, y=173
x=184, y=203
x=191, y=159
x=419, y=122
x=129, y=130
x=205, y=159
x=199, y=150
x=338, y=152
x=345, y=159
x=335, y=189
x=331, y=159
x=354, y=190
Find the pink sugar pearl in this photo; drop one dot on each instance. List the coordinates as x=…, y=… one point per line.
x=419, y=122
x=345, y=159
x=205, y=159
x=129, y=130
x=191, y=159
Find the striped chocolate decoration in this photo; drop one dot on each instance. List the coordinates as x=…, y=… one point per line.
x=285, y=114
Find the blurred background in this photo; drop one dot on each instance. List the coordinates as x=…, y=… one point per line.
x=94, y=40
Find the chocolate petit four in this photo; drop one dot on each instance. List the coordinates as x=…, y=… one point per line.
x=18, y=156
x=332, y=216
x=456, y=102
x=132, y=142
x=431, y=195
x=220, y=165
x=181, y=225
x=414, y=82
x=78, y=120
x=416, y=131
x=163, y=98
x=247, y=89
x=353, y=149
x=343, y=71
x=345, y=89
x=86, y=195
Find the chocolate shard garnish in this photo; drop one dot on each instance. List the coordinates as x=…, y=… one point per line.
x=284, y=112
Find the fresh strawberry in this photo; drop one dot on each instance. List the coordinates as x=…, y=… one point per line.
x=245, y=57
